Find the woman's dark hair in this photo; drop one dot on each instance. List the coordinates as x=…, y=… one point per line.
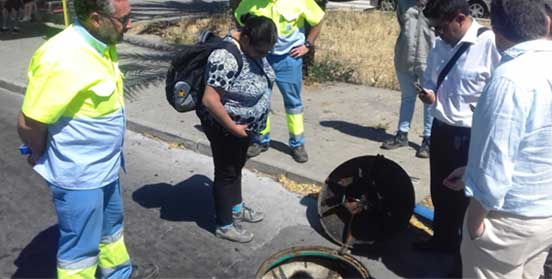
x=445, y=9
x=261, y=31
x=519, y=20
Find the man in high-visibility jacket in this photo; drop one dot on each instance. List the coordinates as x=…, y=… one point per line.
x=286, y=59
x=73, y=120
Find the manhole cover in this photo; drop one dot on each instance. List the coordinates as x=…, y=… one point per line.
x=364, y=200
x=311, y=262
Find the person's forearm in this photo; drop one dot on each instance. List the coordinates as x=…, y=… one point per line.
x=213, y=104
x=475, y=215
x=33, y=134
x=314, y=32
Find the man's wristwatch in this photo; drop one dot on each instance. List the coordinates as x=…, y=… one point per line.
x=307, y=44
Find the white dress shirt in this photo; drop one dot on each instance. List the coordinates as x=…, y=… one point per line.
x=510, y=159
x=467, y=78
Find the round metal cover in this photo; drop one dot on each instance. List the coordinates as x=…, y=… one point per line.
x=311, y=262
x=364, y=200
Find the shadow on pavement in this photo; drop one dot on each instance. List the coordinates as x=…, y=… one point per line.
x=311, y=203
x=355, y=130
x=38, y=258
x=30, y=30
x=359, y=131
x=398, y=256
x=395, y=253
x=151, y=9
x=280, y=146
x=189, y=201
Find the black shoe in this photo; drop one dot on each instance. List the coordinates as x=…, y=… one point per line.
x=4, y=29
x=145, y=271
x=299, y=154
x=399, y=140
x=255, y=149
x=423, y=151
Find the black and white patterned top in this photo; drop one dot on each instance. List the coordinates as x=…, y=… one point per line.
x=247, y=95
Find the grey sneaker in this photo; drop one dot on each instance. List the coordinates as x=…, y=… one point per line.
x=399, y=140
x=423, y=151
x=255, y=149
x=145, y=271
x=299, y=154
x=248, y=214
x=234, y=233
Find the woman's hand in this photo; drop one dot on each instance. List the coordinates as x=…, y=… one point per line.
x=240, y=130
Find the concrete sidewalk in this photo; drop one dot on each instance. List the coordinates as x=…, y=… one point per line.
x=342, y=121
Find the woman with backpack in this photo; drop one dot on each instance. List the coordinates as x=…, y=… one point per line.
x=233, y=108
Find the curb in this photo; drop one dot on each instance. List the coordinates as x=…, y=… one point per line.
x=201, y=146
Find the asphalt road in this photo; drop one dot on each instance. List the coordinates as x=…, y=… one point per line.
x=170, y=217
x=169, y=213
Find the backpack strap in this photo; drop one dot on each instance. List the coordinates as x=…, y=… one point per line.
x=463, y=48
x=233, y=49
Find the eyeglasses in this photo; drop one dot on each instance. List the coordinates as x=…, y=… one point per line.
x=122, y=20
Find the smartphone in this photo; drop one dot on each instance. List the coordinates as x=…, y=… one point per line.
x=419, y=87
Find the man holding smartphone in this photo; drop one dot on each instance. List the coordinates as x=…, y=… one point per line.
x=459, y=66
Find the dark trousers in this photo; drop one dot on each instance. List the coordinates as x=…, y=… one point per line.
x=448, y=151
x=229, y=156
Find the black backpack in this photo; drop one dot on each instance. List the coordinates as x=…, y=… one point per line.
x=185, y=81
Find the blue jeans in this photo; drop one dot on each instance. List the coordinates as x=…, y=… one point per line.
x=91, y=231
x=408, y=102
x=289, y=78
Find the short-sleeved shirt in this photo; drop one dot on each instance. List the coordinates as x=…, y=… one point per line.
x=75, y=87
x=247, y=95
x=289, y=17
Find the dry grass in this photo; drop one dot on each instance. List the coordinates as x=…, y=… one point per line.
x=299, y=188
x=362, y=41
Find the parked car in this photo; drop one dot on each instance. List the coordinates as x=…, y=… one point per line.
x=478, y=8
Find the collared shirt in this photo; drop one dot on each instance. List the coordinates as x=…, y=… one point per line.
x=510, y=159
x=467, y=78
x=75, y=87
x=415, y=39
x=289, y=17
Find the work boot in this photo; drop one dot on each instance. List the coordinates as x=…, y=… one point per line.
x=144, y=271
x=399, y=140
x=256, y=148
x=299, y=154
x=423, y=151
x=248, y=214
x=234, y=233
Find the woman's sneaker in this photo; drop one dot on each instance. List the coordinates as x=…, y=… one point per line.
x=234, y=233
x=248, y=214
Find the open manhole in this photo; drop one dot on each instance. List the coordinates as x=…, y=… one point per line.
x=311, y=262
x=364, y=200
